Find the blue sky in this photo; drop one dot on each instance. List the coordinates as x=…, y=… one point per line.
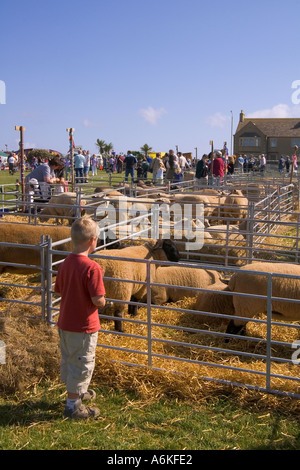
x=130, y=72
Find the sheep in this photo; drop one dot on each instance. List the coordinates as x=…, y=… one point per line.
x=188, y=175
x=235, y=206
x=254, y=283
x=124, y=208
x=218, y=245
x=24, y=234
x=162, y=250
x=180, y=276
x=213, y=300
x=60, y=206
x=210, y=202
x=254, y=191
x=106, y=191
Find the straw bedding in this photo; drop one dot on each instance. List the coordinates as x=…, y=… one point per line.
x=32, y=355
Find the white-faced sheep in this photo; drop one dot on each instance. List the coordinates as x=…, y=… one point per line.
x=132, y=270
x=180, y=276
x=257, y=284
x=24, y=234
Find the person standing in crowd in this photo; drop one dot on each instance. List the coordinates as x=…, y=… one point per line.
x=155, y=166
x=262, y=163
x=119, y=164
x=111, y=164
x=159, y=177
x=130, y=163
x=171, y=166
x=230, y=166
x=79, y=162
x=241, y=163
x=295, y=163
x=202, y=171
x=281, y=164
x=87, y=165
x=100, y=162
x=145, y=168
x=11, y=163
x=217, y=166
x=94, y=164
x=183, y=163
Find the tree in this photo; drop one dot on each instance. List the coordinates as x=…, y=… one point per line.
x=108, y=148
x=101, y=145
x=146, y=149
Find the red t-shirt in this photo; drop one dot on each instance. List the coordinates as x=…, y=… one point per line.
x=78, y=279
x=218, y=167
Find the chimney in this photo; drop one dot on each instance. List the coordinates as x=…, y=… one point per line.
x=242, y=116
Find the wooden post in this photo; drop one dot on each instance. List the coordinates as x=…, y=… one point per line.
x=21, y=129
x=212, y=160
x=71, y=130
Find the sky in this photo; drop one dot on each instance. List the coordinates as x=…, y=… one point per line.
x=166, y=73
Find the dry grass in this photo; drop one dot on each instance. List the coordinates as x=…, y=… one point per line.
x=32, y=354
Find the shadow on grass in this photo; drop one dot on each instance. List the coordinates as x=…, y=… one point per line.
x=29, y=412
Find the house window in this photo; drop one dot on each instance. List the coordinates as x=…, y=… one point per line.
x=273, y=143
x=249, y=142
x=295, y=142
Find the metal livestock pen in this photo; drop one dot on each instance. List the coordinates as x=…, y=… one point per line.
x=186, y=337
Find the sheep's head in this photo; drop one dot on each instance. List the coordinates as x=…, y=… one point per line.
x=167, y=246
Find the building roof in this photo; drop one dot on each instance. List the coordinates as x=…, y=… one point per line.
x=274, y=127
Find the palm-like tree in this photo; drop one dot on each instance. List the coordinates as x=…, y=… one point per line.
x=146, y=149
x=101, y=145
x=108, y=148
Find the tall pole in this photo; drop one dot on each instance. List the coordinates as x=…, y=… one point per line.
x=231, y=150
x=71, y=130
x=21, y=129
x=211, y=161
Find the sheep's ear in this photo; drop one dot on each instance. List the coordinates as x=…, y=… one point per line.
x=158, y=244
x=154, y=244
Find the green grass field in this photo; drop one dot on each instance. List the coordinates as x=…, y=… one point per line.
x=35, y=422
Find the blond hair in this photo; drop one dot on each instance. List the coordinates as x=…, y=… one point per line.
x=84, y=229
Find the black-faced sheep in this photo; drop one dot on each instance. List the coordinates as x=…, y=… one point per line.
x=132, y=270
x=254, y=283
x=180, y=276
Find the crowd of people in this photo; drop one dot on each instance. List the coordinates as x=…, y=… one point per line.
x=169, y=166
x=286, y=163
x=218, y=164
x=166, y=167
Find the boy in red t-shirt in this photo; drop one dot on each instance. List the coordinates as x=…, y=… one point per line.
x=80, y=282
